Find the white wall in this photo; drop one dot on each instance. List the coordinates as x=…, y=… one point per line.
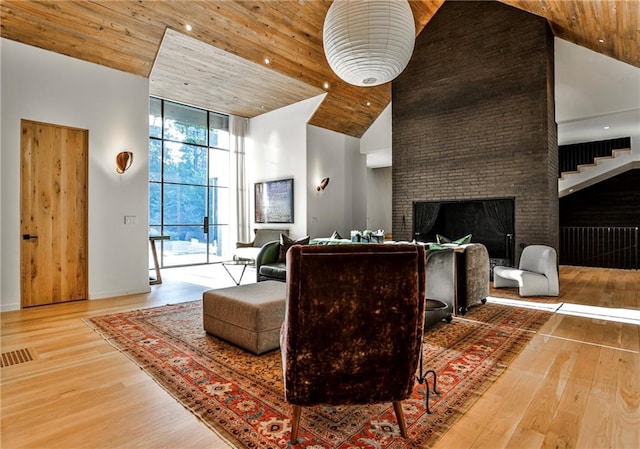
x=356, y=176
x=342, y=205
x=114, y=107
x=376, y=144
x=276, y=149
x=597, y=98
x=379, y=198
x=376, y=141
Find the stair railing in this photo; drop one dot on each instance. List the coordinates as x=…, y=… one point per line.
x=606, y=247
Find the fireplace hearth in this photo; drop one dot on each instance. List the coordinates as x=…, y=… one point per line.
x=490, y=221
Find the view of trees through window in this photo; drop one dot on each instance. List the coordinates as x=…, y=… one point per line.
x=188, y=182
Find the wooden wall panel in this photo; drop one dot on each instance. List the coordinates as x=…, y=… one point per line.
x=614, y=202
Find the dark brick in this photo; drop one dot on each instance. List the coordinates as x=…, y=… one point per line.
x=473, y=117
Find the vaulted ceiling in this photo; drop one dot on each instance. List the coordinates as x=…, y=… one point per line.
x=220, y=64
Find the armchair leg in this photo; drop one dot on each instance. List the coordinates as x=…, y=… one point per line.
x=295, y=423
x=397, y=407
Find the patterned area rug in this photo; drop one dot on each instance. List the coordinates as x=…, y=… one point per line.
x=512, y=293
x=240, y=395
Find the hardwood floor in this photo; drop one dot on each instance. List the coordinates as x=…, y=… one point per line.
x=576, y=384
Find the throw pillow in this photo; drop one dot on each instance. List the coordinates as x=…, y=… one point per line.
x=335, y=235
x=286, y=243
x=461, y=241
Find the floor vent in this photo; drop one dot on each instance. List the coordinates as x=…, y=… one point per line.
x=16, y=357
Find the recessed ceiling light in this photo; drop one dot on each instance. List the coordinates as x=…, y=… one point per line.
x=601, y=40
x=188, y=27
x=606, y=127
x=368, y=103
x=326, y=85
x=261, y=106
x=266, y=60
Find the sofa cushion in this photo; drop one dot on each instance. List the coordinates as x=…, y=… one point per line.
x=274, y=270
x=246, y=253
x=461, y=241
x=264, y=235
x=286, y=243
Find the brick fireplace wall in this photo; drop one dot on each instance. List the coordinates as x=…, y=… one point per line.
x=473, y=118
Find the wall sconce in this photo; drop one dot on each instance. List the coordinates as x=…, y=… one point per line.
x=124, y=159
x=323, y=184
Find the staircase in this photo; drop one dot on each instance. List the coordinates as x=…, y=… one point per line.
x=597, y=244
x=586, y=164
x=570, y=157
x=584, y=167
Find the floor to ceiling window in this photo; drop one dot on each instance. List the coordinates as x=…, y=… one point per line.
x=188, y=182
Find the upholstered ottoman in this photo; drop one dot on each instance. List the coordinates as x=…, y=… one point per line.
x=249, y=315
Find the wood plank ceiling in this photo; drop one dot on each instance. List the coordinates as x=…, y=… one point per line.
x=148, y=38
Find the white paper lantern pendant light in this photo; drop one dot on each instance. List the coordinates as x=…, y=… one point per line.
x=368, y=42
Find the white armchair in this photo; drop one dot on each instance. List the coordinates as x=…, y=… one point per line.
x=250, y=250
x=537, y=274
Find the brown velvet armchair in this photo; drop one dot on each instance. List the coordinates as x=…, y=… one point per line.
x=353, y=325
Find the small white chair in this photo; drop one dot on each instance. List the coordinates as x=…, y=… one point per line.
x=537, y=274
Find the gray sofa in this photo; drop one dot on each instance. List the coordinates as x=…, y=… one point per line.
x=471, y=282
x=471, y=276
x=250, y=250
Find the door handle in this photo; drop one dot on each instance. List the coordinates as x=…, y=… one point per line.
x=29, y=237
x=205, y=224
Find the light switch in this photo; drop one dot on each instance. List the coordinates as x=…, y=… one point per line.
x=130, y=219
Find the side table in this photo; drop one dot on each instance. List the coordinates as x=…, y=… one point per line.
x=243, y=262
x=152, y=242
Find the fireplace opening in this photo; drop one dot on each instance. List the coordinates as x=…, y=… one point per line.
x=490, y=221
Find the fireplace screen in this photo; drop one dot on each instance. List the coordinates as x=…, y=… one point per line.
x=489, y=221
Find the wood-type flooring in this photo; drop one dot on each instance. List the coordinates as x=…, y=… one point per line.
x=575, y=385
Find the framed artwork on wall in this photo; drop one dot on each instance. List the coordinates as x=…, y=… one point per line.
x=274, y=201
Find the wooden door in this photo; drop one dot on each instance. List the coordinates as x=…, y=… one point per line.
x=53, y=214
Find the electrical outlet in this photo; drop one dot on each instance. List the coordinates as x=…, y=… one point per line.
x=130, y=219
